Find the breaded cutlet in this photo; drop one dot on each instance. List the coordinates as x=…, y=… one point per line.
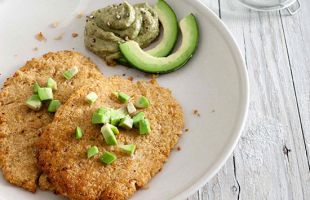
x=64, y=160
x=20, y=126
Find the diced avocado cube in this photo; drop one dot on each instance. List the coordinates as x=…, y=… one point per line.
x=102, y=110
x=51, y=83
x=91, y=97
x=138, y=117
x=122, y=111
x=100, y=117
x=114, y=129
x=45, y=93
x=78, y=133
x=34, y=102
x=129, y=148
x=92, y=151
x=144, y=127
x=126, y=122
x=108, y=158
x=142, y=102
x=108, y=135
x=131, y=109
x=53, y=106
x=116, y=116
x=122, y=97
x=35, y=88
x=69, y=74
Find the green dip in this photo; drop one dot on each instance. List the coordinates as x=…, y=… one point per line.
x=107, y=27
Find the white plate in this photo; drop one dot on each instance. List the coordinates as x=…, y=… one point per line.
x=214, y=82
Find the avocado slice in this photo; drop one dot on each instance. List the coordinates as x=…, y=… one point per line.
x=151, y=64
x=169, y=22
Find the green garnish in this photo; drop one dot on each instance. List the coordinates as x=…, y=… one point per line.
x=126, y=122
x=78, y=133
x=102, y=110
x=138, y=117
x=92, y=151
x=116, y=116
x=36, y=86
x=131, y=109
x=144, y=127
x=53, y=106
x=51, y=83
x=34, y=102
x=45, y=93
x=69, y=74
x=142, y=102
x=129, y=148
x=91, y=97
x=101, y=116
x=114, y=129
x=122, y=97
x=108, y=135
x=108, y=158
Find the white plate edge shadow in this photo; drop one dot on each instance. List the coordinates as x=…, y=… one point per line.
x=244, y=101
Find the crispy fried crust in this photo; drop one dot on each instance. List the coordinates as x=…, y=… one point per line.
x=63, y=158
x=19, y=126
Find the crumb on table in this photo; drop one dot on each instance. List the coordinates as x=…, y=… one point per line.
x=130, y=78
x=178, y=148
x=80, y=15
x=74, y=35
x=54, y=24
x=59, y=37
x=186, y=130
x=195, y=112
x=124, y=74
x=35, y=49
x=40, y=37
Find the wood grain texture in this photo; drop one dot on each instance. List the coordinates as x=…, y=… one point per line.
x=297, y=34
x=271, y=160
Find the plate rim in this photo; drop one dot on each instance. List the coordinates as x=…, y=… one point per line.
x=244, y=100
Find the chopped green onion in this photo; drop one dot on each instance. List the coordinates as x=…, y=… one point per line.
x=53, y=106
x=92, y=151
x=138, y=117
x=144, y=127
x=108, y=135
x=108, y=158
x=45, y=93
x=91, y=97
x=36, y=86
x=129, y=148
x=126, y=122
x=69, y=74
x=131, y=109
x=78, y=133
x=34, y=102
x=142, y=102
x=122, y=97
x=51, y=83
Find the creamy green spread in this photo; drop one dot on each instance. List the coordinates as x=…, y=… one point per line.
x=107, y=27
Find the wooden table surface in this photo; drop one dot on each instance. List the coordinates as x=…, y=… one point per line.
x=271, y=160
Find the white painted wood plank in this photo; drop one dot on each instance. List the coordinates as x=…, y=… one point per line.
x=223, y=186
x=297, y=32
x=265, y=168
